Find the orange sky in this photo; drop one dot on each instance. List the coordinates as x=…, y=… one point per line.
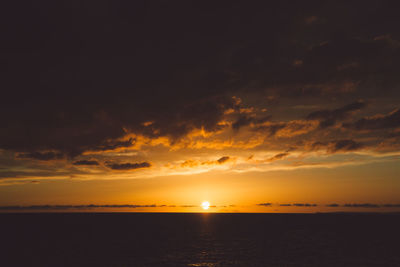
x=228, y=190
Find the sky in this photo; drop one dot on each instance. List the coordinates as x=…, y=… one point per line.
x=158, y=106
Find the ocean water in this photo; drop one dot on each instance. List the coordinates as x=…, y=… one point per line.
x=168, y=239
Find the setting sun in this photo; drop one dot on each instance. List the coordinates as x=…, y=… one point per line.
x=205, y=205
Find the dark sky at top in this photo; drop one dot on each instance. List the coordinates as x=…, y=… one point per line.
x=80, y=75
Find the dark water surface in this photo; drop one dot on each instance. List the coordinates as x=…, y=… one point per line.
x=167, y=239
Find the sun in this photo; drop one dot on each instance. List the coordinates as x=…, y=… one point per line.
x=205, y=205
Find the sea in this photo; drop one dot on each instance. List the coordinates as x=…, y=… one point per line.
x=197, y=239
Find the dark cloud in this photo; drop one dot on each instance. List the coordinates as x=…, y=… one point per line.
x=241, y=122
x=378, y=122
x=361, y=205
x=364, y=205
x=332, y=64
x=335, y=146
x=298, y=205
x=40, y=172
x=344, y=145
x=278, y=156
x=41, y=155
x=114, y=144
x=128, y=166
x=271, y=129
x=285, y=129
x=304, y=205
x=246, y=120
x=346, y=64
x=333, y=205
x=330, y=117
x=86, y=162
x=311, y=19
x=265, y=204
x=222, y=160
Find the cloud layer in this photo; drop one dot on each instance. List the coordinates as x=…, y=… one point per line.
x=134, y=88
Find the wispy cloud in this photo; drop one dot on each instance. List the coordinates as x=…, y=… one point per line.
x=86, y=163
x=332, y=205
x=128, y=166
x=69, y=207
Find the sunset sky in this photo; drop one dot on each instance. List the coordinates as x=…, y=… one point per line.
x=269, y=106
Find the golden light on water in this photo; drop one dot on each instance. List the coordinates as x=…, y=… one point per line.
x=205, y=205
